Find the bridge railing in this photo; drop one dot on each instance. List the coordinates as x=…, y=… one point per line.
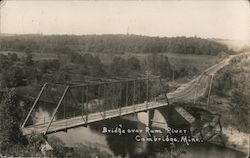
x=62, y=102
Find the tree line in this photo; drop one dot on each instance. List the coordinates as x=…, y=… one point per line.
x=111, y=44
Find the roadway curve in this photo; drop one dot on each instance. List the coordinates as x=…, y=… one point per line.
x=198, y=86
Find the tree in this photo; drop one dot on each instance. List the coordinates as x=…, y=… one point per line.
x=164, y=67
x=12, y=142
x=239, y=108
x=62, y=75
x=159, y=64
x=4, y=62
x=134, y=64
x=119, y=67
x=13, y=76
x=46, y=65
x=29, y=59
x=13, y=56
x=9, y=116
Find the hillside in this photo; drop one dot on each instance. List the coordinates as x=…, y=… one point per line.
x=117, y=44
x=231, y=93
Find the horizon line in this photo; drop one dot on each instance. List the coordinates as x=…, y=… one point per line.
x=125, y=34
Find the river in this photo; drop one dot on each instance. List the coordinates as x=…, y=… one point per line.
x=125, y=145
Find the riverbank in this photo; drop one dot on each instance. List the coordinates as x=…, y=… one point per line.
x=236, y=139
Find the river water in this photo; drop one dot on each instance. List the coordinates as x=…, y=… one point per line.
x=126, y=145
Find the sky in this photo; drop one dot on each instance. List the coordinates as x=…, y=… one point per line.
x=227, y=19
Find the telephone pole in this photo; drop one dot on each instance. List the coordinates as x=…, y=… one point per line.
x=174, y=68
x=210, y=87
x=196, y=87
x=173, y=75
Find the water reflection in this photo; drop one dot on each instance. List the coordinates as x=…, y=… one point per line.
x=208, y=150
x=125, y=145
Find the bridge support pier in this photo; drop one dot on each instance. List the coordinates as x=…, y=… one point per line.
x=65, y=130
x=150, y=117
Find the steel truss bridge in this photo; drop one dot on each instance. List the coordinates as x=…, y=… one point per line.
x=81, y=103
x=77, y=103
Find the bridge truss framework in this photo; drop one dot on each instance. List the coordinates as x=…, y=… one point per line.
x=81, y=99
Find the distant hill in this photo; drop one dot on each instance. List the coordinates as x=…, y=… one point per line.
x=236, y=45
x=111, y=44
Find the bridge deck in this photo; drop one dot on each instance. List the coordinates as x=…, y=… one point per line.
x=94, y=117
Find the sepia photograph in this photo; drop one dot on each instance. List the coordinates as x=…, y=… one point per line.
x=124, y=78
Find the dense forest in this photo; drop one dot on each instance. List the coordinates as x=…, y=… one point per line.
x=24, y=71
x=110, y=44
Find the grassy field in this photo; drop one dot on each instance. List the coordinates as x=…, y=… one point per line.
x=178, y=61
